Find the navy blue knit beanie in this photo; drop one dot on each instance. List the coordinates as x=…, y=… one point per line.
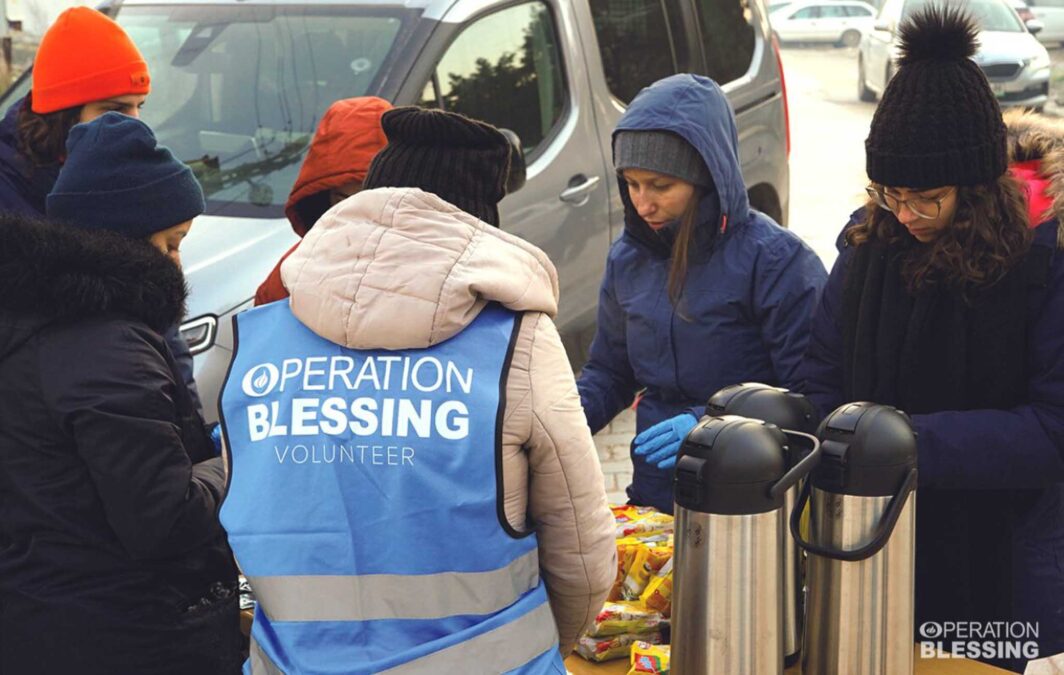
x=117, y=178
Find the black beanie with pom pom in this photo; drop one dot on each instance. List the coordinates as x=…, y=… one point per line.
x=937, y=123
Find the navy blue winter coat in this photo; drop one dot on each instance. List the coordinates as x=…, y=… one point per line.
x=23, y=191
x=986, y=450
x=750, y=290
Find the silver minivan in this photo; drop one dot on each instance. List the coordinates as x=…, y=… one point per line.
x=238, y=87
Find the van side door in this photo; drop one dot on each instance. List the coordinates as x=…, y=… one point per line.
x=520, y=66
x=629, y=44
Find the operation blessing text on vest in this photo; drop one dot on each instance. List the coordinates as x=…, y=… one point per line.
x=376, y=416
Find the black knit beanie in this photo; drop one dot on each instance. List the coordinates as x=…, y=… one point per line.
x=462, y=161
x=937, y=123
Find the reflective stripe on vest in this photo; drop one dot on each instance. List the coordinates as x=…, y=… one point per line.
x=395, y=596
x=496, y=651
x=364, y=504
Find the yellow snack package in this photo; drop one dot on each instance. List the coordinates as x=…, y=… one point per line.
x=600, y=649
x=649, y=659
x=638, y=575
x=658, y=594
x=658, y=557
x=624, y=617
x=644, y=525
x=626, y=551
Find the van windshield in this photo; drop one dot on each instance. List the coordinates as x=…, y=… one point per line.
x=237, y=91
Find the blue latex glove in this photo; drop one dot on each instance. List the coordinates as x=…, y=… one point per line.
x=216, y=437
x=661, y=442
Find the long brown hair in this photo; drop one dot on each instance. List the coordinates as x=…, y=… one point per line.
x=990, y=232
x=680, y=248
x=42, y=137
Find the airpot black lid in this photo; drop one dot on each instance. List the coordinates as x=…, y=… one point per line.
x=782, y=407
x=868, y=450
x=727, y=465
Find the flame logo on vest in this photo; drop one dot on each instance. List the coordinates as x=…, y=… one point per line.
x=260, y=380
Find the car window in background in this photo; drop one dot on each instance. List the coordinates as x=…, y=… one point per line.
x=506, y=69
x=807, y=13
x=237, y=91
x=628, y=27
x=728, y=37
x=858, y=12
x=833, y=12
x=991, y=15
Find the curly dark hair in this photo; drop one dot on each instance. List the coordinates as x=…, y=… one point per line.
x=42, y=137
x=990, y=233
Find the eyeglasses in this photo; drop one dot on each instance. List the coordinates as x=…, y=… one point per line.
x=922, y=207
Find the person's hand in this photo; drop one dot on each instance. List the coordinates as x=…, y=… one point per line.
x=661, y=442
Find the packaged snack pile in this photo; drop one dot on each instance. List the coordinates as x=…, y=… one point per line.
x=600, y=649
x=640, y=601
x=649, y=659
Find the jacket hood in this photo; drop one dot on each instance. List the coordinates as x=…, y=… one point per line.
x=1036, y=158
x=399, y=268
x=695, y=108
x=347, y=138
x=53, y=272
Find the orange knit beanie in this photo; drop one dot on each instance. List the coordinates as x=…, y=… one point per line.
x=85, y=57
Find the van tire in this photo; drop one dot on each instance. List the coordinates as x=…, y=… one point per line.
x=850, y=38
x=863, y=92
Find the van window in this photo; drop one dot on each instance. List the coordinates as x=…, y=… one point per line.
x=728, y=37
x=505, y=69
x=238, y=90
x=638, y=42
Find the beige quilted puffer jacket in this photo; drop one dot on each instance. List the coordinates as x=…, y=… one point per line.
x=399, y=269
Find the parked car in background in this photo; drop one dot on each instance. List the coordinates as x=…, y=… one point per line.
x=1051, y=15
x=839, y=22
x=1014, y=61
x=238, y=87
x=1022, y=10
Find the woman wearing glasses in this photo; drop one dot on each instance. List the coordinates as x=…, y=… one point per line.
x=945, y=302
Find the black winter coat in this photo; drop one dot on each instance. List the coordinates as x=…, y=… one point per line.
x=109, y=487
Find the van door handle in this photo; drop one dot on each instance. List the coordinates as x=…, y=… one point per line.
x=580, y=187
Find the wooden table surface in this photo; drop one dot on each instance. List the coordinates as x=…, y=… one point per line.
x=578, y=666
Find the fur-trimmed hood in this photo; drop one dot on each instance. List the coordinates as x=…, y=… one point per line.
x=1036, y=156
x=50, y=271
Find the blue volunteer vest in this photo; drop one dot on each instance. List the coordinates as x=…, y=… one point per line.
x=364, y=505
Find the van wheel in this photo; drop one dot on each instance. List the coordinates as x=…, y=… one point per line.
x=850, y=38
x=863, y=92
